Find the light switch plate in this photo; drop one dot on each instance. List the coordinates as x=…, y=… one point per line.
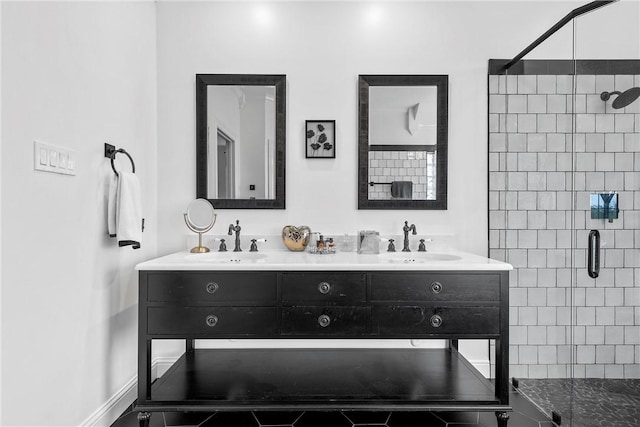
x=51, y=158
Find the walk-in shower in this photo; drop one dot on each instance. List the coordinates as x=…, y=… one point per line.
x=562, y=131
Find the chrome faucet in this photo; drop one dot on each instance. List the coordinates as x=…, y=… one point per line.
x=406, y=230
x=237, y=229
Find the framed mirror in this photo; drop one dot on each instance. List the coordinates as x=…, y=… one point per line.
x=402, y=142
x=240, y=140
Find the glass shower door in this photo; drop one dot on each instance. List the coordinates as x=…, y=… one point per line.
x=606, y=226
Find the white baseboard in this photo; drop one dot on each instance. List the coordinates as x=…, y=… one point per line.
x=106, y=414
x=109, y=412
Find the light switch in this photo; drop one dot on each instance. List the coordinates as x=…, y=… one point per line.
x=62, y=160
x=43, y=155
x=51, y=158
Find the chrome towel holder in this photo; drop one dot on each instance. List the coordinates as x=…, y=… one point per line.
x=111, y=152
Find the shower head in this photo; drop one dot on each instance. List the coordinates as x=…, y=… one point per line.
x=624, y=98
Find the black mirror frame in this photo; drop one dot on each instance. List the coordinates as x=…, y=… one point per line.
x=277, y=80
x=442, y=83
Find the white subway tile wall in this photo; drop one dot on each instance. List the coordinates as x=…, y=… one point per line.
x=531, y=194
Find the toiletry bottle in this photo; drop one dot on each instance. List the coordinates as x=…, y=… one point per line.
x=320, y=243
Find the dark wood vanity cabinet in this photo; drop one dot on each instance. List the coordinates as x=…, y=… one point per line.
x=193, y=305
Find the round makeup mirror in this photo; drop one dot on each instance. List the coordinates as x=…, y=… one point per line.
x=200, y=218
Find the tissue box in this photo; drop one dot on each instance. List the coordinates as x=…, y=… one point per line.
x=368, y=242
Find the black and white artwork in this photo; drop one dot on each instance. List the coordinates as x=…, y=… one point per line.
x=320, y=139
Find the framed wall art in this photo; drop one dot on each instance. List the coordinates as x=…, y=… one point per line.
x=320, y=139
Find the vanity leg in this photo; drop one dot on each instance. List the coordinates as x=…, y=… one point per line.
x=503, y=418
x=189, y=345
x=143, y=419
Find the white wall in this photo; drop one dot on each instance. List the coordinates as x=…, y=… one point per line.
x=1, y=287
x=75, y=74
x=322, y=47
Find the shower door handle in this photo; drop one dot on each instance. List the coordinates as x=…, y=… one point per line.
x=593, y=255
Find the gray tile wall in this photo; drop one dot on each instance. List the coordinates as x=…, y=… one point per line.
x=531, y=193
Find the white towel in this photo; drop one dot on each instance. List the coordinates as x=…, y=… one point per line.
x=111, y=205
x=124, y=211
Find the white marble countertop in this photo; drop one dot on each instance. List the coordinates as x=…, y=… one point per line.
x=305, y=261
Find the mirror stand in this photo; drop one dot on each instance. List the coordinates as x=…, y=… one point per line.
x=200, y=218
x=200, y=231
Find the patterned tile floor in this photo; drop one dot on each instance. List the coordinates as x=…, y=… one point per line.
x=596, y=402
x=525, y=414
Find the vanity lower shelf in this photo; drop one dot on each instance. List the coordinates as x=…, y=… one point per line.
x=322, y=379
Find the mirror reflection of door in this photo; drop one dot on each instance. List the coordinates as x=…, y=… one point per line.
x=226, y=162
x=243, y=164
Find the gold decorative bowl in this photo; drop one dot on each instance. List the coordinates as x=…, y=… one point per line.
x=296, y=238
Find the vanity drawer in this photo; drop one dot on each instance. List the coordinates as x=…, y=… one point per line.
x=324, y=287
x=422, y=320
x=211, y=287
x=336, y=321
x=212, y=321
x=435, y=287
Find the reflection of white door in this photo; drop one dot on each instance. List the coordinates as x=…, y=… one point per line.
x=226, y=174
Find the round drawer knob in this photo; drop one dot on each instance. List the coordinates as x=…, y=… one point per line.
x=212, y=287
x=324, y=287
x=436, y=321
x=324, y=320
x=212, y=320
x=436, y=287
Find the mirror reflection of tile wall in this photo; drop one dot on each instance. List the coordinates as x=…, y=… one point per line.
x=386, y=167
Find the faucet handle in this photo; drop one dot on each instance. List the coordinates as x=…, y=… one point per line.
x=254, y=246
x=421, y=246
x=223, y=246
x=391, y=247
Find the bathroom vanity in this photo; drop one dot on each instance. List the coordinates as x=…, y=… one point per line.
x=278, y=295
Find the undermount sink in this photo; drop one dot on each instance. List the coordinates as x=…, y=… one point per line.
x=419, y=257
x=227, y=257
